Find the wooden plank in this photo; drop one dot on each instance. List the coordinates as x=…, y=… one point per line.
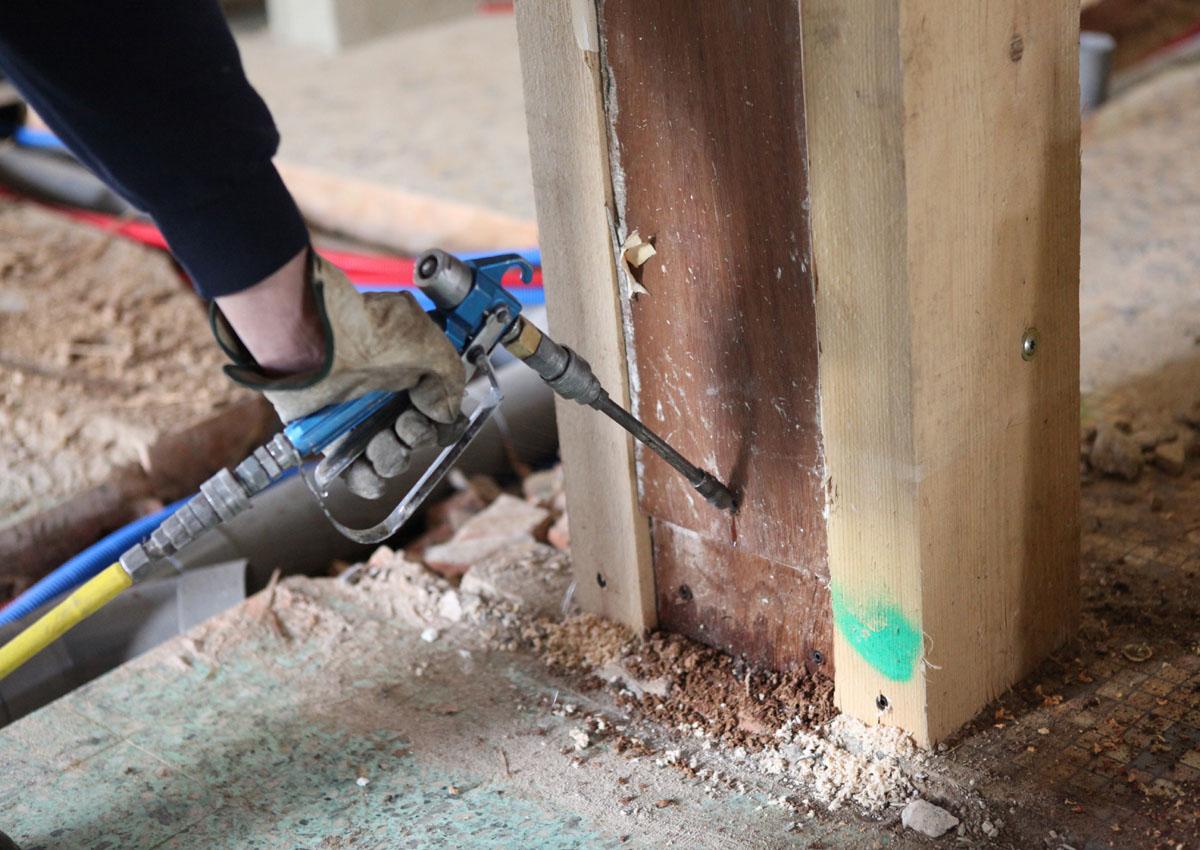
x=707, y=116
x=724, y=596
x=944, y=157
x=610, y=539
x=396, y=219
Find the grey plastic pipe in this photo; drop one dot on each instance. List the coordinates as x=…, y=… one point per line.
x=1095, y=66
x=284, y=529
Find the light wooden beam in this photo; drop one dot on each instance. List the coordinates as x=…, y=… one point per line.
x=610, y=539
x=944, y=160
x=862, y=313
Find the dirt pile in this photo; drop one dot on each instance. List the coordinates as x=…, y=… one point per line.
x=724, y=697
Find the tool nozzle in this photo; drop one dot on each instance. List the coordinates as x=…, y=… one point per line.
x=717, y=494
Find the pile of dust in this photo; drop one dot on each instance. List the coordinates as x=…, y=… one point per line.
x=729, y=699
x=584, y=642
x=284, y=611
x=843, y=761
x=782, y=727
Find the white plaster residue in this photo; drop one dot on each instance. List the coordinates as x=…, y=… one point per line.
x=619, y=229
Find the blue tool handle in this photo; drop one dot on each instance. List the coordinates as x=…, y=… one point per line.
x=313, y=433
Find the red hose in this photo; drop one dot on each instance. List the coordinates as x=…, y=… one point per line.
x=361, y=268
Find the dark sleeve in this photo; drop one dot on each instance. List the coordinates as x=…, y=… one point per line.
x=151, y=95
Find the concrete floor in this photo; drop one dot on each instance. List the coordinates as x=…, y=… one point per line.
x=360, y=734
x=436, y=111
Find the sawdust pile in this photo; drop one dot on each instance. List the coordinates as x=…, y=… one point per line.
x=103, y=349
x=583, y=642
x=726, y=698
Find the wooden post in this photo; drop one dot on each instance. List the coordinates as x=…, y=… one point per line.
x=610, y=540
x=862, y=313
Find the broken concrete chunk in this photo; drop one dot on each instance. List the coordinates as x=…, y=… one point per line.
x=559, y=535
x=1148, y=438
x=450, y=606
x=924, y=817
x=1169, y=457
x=506, y=518
x=534, y=577
x=540, y=488
x=580, y=739
x=453, y=559
x=1115, y=454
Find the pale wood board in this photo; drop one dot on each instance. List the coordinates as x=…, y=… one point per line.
x=398, y=219
x=944, y=169
x=610, y=539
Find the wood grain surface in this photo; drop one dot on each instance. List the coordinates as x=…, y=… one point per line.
x=610, y=540
x=706, y=105
x=944, y=154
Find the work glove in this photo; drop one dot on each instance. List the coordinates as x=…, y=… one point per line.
x=377, y=341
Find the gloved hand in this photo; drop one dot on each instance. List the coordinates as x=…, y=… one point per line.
x=379, y=341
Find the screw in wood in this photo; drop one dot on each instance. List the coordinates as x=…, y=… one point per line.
x=1029, y=343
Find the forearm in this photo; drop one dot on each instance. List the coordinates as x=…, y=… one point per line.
x=151, y=95
x=277, y=320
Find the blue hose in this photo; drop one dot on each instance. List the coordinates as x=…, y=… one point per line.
x=86, y=564
x=31, y=137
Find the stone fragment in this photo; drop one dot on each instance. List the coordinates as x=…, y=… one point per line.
x=1148, y=438
x=1169, y=457
x=454, y=558
x=535, y=578
x=559, y=535
x=507, y=523
x=506, y=518
x=540, y=488
x=924, y=817
x=1115, y=454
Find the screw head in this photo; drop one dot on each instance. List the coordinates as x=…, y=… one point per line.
x=1030, y=342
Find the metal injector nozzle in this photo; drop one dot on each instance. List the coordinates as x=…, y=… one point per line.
x=569, y=375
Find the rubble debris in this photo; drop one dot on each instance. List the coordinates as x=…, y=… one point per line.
x=580, y=739
x=739, y=704
x=1113, y=453
x=583, y=642
x=505, y=523
x=559, y=535
x=533, y=578
x=505, y=518
x=926, y=818
x=1169, y=457
x=454, y=558
x=541, y=488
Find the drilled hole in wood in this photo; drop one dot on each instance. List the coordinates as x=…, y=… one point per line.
x=818, y=657
x=881, y=702
x=685, y=593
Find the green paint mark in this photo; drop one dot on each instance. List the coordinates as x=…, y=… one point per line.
x=880, y=633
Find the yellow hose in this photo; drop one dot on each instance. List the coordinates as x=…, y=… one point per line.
x=80, y=605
